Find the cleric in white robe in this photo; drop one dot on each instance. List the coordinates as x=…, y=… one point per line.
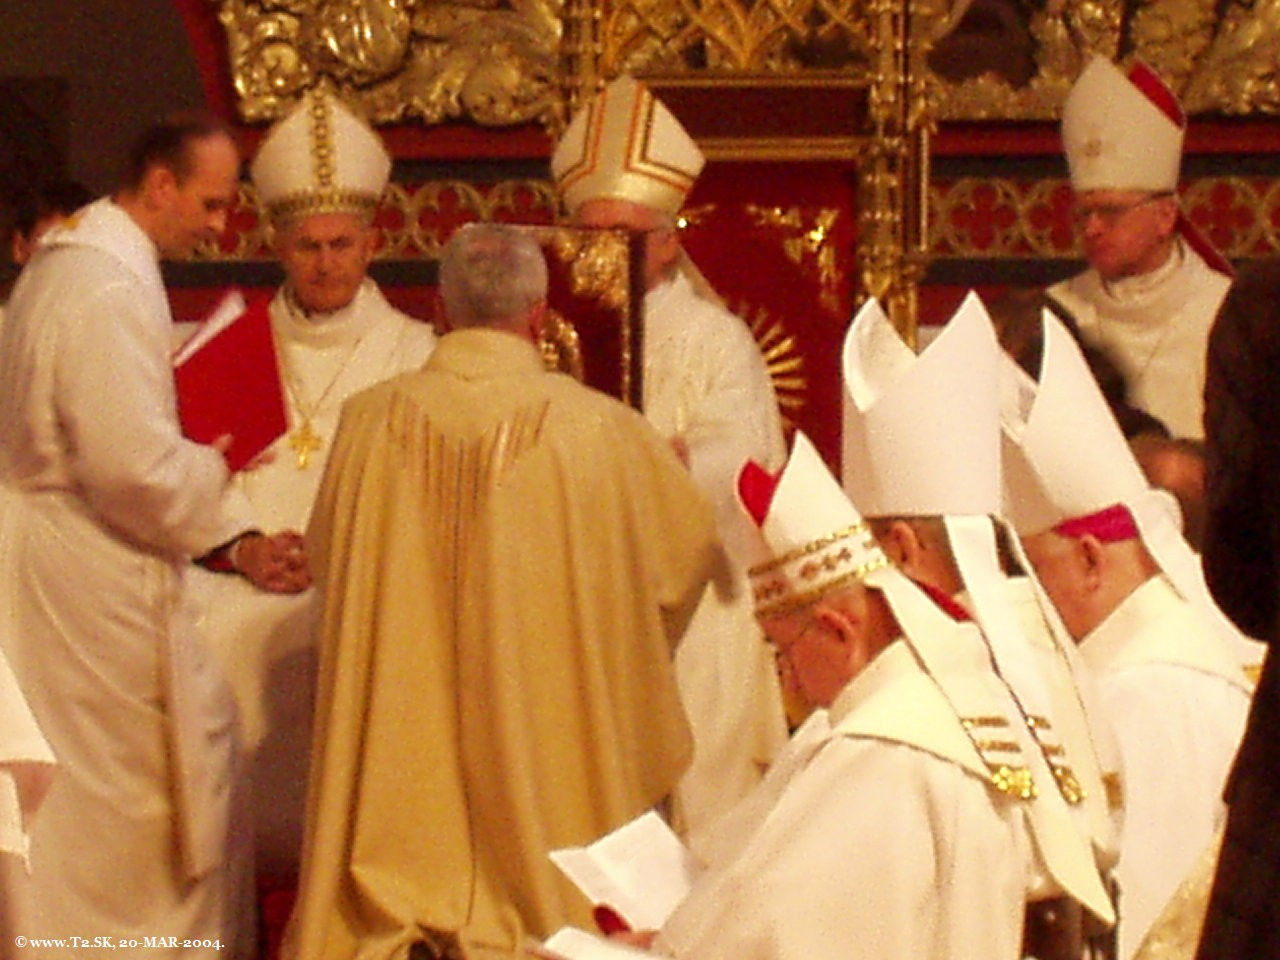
x=1154, y=282
x=894, y=825
x=1170, y=679
x=319, y=174
x=626, y=162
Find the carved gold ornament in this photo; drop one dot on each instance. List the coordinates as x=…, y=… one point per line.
x=806, y=240
x=598, y=269
x=768, y=36
x=597, y=262
x=783, y=359
x=1219, y=57
x=480, y=60
x=560, y=346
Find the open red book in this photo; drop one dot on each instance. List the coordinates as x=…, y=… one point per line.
x=228, y=380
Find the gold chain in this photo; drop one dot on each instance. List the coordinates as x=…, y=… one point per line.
x=304, y=440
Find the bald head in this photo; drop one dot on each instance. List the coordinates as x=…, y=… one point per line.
x=1087, y=578
x=920, y=547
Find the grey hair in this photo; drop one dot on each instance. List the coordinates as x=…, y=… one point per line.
x=490, y=274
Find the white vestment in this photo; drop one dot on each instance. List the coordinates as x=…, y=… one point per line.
x=104, y=502
x=876, y=834
x=26, y=761
x=1156, y=329
x=706, y=383
x=1177, y=699
x=1081, y=722
x=266, y=641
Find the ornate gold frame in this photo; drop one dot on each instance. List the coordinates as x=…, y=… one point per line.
x=533, y=61
x=1220, y=57
x=536, y=60
x=528, y=61
x=437, y=61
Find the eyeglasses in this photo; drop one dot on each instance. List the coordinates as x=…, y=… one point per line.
x=1109, y=214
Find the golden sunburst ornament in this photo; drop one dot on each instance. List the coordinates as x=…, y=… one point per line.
x=782, y=358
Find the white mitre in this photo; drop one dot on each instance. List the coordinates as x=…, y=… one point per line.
x=1068, y=466
x=922, y=437
x=626, y=145
x=1122, y=132
x=921, y=432
x=321, y=158
x=1065, y=456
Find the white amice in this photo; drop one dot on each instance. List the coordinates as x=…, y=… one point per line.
x=1156, y=328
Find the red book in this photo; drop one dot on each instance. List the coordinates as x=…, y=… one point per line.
x=228, y=380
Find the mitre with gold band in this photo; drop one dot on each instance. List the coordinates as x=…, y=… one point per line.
x=626, y=145
x=811, y=542
x=321, y=158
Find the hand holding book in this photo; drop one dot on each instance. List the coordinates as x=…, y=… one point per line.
x=228, y=381
x=635, y=876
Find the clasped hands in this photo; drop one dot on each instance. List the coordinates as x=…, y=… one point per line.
x=276, y=563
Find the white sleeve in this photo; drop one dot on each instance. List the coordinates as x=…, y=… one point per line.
x=876, y=851
x=1177, y=730
x=729, y=416
x=118, y=413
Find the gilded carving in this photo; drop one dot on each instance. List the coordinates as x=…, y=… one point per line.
x=560, y=346
x=493, y=62
x=599, y=265
x=499, y=62
x=1221, y=57
x=757, y=36
x=1240, y=70
x=598, y=262
x=806, y=239
x=785, y=362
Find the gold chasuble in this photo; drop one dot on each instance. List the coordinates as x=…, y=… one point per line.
x=508, y=560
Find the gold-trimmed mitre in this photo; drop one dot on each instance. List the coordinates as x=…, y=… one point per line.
x=810, y=540
x=321, y=158
x=626, y=145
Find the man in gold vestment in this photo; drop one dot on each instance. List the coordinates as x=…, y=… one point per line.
x=508, y=560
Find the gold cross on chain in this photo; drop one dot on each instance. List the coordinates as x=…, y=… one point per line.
x=304, y=441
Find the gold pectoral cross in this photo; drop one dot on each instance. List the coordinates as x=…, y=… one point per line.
x=305, y=441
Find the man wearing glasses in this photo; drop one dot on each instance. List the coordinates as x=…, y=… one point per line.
x=1154, y=283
